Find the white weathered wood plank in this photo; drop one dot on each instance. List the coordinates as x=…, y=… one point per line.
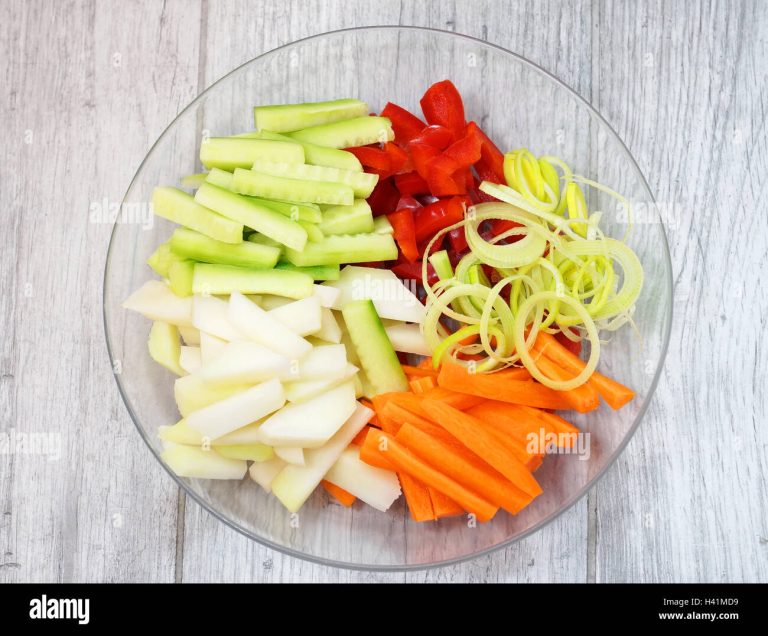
x=558, y=552
x=688, y=92
x=92, y=86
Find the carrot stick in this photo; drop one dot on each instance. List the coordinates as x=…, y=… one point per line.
x=410, y=464
x=443, y=505
x=461, y=401
x=525, y=423
x=583, y=398
x=339, y=494
x=360, y=437
x=461, y=464
x=503, y=385
x=614, y=393
x=419, y=372
x=470, y=432
x=426, y=363
x=563, y=429
x=416, y=493
x=379, y=401
x=399, y=415
x=422, y=385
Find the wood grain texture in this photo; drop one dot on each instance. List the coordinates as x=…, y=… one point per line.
x=90, y=87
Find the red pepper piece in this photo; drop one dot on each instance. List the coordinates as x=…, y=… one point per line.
x=408, y=203
x=441, y=179
x=491, y=157
x=372, y=157
x=573, y=347
x=442, y=105
x=412, y=271
x=384, y=197
x=458, y=240
x=399, y=161
x=405, y=232
x=411, y=183
x=436, y=216
x=405, y=124
x=437, y=136
x=436, y=247
x=466, y=151
x=422, y=154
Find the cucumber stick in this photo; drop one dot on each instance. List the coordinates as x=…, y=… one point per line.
x=288, y=117
x=314, y=233
x=198, y=247
x=226, y=279
x=197, y=463
x=349, y=133
x=255, y=216
x=362, y=183
x=348, y=219
x=258, y=184
x=178, y=206
x=345, y=248
x=317, y=155
x=381, y=225
x=377, y=356
x=317, y=272
x=229, y=153
x=161, y=259
x=180, y=275
x=295, y=211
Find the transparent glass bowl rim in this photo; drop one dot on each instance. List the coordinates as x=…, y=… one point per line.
x=459, y=559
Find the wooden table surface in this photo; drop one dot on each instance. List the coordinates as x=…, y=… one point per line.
x=87, y=88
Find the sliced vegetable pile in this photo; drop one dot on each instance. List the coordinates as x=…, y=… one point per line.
x=283, y=309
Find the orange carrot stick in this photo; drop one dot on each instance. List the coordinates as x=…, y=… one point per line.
x=443, y=505
x=423, y=384
x=360, y=437
x=461, y=464
x=461, y=401
x=503, y=385
x=339, y=494
x=419, y=372
x=525, y=423
x=416, y=493
x=408, y=463
x=583, y=398
x=470, y=432
x=614, y=393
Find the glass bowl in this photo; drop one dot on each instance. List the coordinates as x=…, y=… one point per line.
x=518, y=104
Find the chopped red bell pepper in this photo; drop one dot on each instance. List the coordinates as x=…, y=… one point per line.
x=422, y=154
x=437, y=136
x=458, y=240
x=438, y=215
x=412, y=271
x=372, y=157
x=466, y=150
x=399, y=160
x=408, y=203
x=405, y=124
x=411, y=183
x=441, y=179
x=442, y=105
x=405, y=232
x=384, y=197
x=485, y=173
x=491, y=158
x=436, y=247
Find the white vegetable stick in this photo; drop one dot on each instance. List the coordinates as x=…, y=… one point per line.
x=245, y=362
x=190, y=336
x=328, y=296
x=408, y=339
x=192, y=393
x=303, y=317
x=260, y=327
x=295, y=484
x=242, y=408
x=191, y=461
x=303, y=390
x=330, y=331
x=210, y=314
x=391, y=298
x=210, y=346
x=270, y=301
x=190, y=359
x=155, y=300
x=325, y=362
x=375, y=486
x=290, y=454
x=312, y=423
x=264, y=472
